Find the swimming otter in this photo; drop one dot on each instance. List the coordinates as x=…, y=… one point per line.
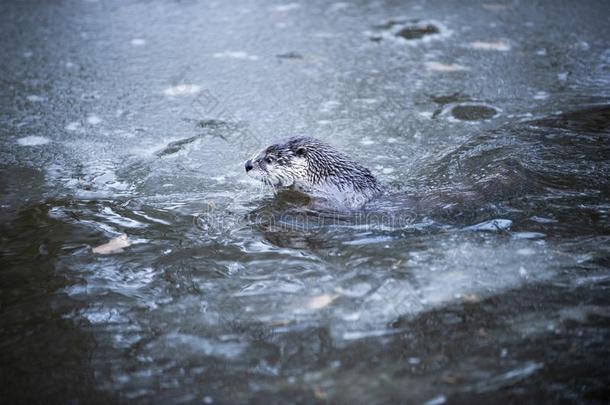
x=316, y=169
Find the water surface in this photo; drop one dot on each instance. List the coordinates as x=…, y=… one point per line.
x=482, y=276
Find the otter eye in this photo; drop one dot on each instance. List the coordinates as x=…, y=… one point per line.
x=301, y=151
x=269, y=159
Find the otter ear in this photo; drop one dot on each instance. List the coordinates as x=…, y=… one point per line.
x=301, y=151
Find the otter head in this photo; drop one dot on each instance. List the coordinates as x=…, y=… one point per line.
x=282, y=164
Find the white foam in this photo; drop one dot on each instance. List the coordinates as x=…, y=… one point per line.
x=367, y=141
x=33, y=140
x=138, y=42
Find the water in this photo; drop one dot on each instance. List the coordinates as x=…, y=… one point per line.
x=139, y=263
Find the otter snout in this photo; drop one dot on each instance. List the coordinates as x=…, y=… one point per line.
x=249, y=166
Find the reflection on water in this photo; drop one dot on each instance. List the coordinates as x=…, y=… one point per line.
x=139, y=262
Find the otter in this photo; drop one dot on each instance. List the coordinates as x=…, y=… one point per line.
x=316, y=169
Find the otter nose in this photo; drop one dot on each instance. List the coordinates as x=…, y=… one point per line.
x=248, y=166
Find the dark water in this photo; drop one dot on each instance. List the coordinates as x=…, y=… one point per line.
x=483, y=275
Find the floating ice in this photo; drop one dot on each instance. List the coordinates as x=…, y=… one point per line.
x=522, y=272
x=494, y=7
x=115, y=245
x=491, y=226
x=337, y=7
x=528, y=235
x=367, y=100
x=33, y=141
x=321, y=301
x=34, y=98
x=235, y=55
x=282, y=8
x=330, y=105
x=182, y=90
x=93, y=119
x=441, y=399
x=500, y=45
x=525, y=251
x=73, y=126
x=509, y=378
x=542, y=220
x=445, y=67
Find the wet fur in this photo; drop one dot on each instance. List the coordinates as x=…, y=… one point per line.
x=315, y=168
